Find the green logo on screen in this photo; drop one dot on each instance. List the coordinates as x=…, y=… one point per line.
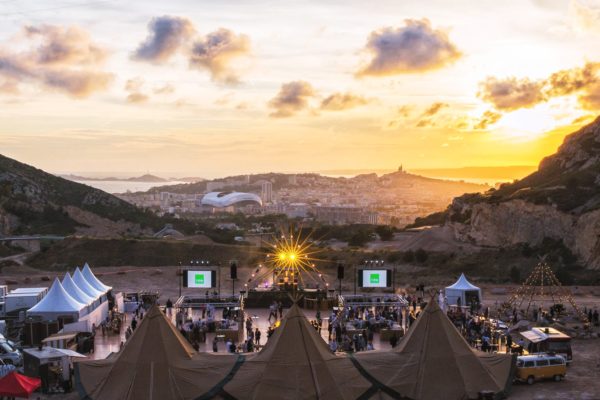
x=199, y=279
x=374, y=278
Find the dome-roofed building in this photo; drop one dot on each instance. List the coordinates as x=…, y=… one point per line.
x=229, y=199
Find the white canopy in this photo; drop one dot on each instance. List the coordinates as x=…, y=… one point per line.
x=462, y=292
x=91, y=278
x=56, y=303
x=72, y=288
x=84, y=285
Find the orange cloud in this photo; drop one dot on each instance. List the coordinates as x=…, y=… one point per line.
x=342, y=101
x=512, y=93
x=66, y=61
x=292, y=98
x=215, y=51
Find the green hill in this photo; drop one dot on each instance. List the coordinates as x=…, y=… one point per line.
x=35, y=202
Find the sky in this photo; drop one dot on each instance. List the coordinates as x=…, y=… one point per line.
x=216, y=88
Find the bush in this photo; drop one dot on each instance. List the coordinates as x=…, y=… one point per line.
x=421, y=256
x=515, y=274
x=386, y=233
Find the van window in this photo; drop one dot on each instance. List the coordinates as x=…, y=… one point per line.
x=559, y=347
x=528, y=364
x=542, y=363
x=556, y=361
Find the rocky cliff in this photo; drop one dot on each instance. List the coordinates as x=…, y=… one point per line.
x=560, y=201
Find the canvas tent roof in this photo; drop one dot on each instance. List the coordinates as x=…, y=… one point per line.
x=93, y=280
x=57, y=301
x=296, y=363
x=434, y=361
x=74, y=290
x=156, y=363
x=462, y=284
x=84, y=285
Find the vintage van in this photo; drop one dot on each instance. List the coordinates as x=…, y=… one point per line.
x=540, y=366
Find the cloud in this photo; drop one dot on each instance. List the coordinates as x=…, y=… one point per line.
x=215, y=51
x=165, y=89
x=60, y=59
x=488, y=118
x=434, y=109
x=77, y=83
x=415, y=47
x=584, y=119
x=134, y=87
x=569, y=81
x=426, y=119
x=137, y=98
x=292, y=98
x=65, y=45
x=405, y=110
x=591, y=99
x=342, y=101
x=511, y=93
x=166, y=35
x=585, y=16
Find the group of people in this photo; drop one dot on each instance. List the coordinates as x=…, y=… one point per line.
x=275, y=308
x=341, y=340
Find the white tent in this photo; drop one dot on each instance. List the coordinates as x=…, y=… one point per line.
x=57, y=303
x=463, y=292
x=76, y=293
x=91, y=278
x=84, y=285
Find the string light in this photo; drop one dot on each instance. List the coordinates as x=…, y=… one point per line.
x=542, y=277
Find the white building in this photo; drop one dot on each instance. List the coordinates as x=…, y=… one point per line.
x=266, y=192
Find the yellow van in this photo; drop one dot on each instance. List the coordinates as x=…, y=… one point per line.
x=541, y=366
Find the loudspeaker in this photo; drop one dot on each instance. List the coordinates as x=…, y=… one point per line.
x=233, y=271
x=340, y=271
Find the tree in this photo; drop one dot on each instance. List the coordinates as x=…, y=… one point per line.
x=359, y=239
x=386, y=233
x=409, y=256
x=421, y=256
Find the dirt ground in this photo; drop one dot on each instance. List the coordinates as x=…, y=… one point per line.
x=582, y=381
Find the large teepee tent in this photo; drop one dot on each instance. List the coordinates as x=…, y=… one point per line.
x=435, y=362
x=297, y=364
x=157, y=363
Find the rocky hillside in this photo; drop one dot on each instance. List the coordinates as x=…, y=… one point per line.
x=560, y=201
x=35, y=202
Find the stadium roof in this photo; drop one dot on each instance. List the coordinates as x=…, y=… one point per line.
x=226, y=199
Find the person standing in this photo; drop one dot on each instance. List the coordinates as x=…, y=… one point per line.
x=257, y=337
x=280, y=309
x=215, y=345
x=169, y=307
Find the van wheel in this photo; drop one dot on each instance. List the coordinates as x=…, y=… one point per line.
x=557, y=378
x=530, y=380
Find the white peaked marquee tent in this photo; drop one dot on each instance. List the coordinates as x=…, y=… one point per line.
x=78, y=294
x=57, y=303
x=85, y=286
x=462, y=292
x=93, y=281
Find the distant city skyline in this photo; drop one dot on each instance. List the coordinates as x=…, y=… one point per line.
x=222, y=88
